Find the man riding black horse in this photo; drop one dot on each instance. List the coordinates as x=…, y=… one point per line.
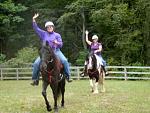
x=55, y=41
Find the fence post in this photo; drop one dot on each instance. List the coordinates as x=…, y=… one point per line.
x=17, y=73
x=1, y=74
x=125, y=73
x=78, y=74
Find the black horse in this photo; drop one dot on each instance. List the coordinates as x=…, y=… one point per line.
x=52, y=74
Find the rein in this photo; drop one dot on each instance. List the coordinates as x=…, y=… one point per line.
x=50, y=75
x=90, y=72
x=50, y=71
x=93, y=67
x=51, y=66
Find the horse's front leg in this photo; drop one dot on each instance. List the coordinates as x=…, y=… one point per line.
x=92, y=85
x=95, y=88
x=54, y=87
x=62, y=91
x=44, y=87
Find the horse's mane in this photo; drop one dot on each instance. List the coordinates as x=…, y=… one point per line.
x=94, y=62
x=48, y=47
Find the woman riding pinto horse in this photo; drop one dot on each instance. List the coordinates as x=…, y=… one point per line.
x=96, y=73
x=95, y=53
x=96, y=48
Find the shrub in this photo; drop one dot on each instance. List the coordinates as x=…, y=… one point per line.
x=2, y=58
x=25, y=55
x=81, y=58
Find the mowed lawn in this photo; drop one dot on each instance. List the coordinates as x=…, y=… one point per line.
x=120, y=97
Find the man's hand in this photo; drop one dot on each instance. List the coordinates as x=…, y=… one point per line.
x=55, y=42
x=95, y=51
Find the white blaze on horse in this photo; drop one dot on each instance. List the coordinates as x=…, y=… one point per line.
x=96, y=73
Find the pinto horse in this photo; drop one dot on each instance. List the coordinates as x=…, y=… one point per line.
x=96, y=73
x=52, y=74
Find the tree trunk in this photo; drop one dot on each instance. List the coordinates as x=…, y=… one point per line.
x=147, y=37
x=83, y=29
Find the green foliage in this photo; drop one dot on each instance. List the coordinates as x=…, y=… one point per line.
x=2, y=58
x=25, y=55
x=122, y=26
x=81, y=59
x=9, y=11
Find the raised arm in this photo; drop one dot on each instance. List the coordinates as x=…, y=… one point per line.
x=39, y=31
x=86, y=36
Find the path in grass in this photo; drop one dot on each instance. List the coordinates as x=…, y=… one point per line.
x=120, y=97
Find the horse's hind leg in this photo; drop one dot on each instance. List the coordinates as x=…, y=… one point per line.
x=44, y=86
x=102, y=77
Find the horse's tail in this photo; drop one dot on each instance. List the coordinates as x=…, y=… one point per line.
x=101, y=74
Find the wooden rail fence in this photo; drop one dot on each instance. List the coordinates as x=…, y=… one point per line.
x=115, y=72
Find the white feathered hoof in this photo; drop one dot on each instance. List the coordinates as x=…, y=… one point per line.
x=95, y=92
x=103, y=90
x=92, y=90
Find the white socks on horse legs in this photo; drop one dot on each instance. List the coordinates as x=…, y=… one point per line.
x=92, y=86
x=96, y=88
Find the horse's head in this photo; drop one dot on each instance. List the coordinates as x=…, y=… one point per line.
x=92, y=62
x=47, y=56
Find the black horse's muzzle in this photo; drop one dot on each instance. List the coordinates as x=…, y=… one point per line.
x=43, y=66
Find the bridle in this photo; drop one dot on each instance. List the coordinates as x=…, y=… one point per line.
x=90, y=70
x=50, y=70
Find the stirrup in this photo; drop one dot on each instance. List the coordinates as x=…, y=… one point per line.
x=82, y=74
x=106, y=73
x=35, y=83
x=69, y=80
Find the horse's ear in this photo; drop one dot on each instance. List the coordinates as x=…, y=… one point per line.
x=47, y=44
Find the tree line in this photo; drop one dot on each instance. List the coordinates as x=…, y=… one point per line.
x=122, y=27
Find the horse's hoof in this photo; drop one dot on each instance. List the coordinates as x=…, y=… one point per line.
x=62, y=106
x=49, y=109
x=103, y=91
x=95, y=92
x=55, y=110
x=92, y=90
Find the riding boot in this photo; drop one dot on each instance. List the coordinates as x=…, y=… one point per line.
x=84, y=73
x=68, y=79
x=35, y=83
x=105, y=70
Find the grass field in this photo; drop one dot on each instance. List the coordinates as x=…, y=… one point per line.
x=120, y=97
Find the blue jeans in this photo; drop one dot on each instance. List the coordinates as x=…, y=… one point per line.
x=103, y=61
x=61, y=57
x=36, y=69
